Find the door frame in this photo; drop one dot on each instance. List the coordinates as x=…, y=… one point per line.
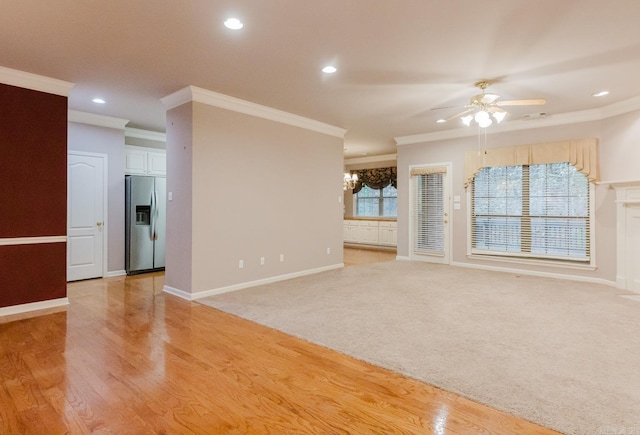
x=447, y=185
x=105, y=216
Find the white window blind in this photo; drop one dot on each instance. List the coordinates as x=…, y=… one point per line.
x=428, y=211
x=539, y=211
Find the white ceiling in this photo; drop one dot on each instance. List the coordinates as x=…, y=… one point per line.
x=395, y=59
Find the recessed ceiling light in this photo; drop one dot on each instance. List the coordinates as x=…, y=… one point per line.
x=601, y=94
x=329, y=69
x=233, y=23
x=98, y=101
x=441, y=121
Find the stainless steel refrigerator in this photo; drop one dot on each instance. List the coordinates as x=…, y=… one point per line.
x=145, y=223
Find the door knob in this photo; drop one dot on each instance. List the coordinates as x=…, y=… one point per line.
x=99, y=224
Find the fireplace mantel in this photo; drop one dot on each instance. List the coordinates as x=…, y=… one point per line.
x=627, y=234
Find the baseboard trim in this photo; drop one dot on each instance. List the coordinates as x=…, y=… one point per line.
x=536, y=273
x=177, y=292
x=203, y=294
x=403, y=258
x=115, y=273
x=33, y=306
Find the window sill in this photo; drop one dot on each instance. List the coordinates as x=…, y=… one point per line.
x=531, y=262
x=371, y=218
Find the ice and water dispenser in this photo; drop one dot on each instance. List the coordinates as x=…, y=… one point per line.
x=143, y=214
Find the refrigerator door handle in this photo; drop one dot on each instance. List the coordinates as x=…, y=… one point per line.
x=152, y=227
x=156, y=214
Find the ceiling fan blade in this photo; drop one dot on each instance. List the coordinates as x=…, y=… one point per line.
x=457, y=115
x=532, y=102
x=446, y=107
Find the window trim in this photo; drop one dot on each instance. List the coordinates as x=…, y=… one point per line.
x=518, y=258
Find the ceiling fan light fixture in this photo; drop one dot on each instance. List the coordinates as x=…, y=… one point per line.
x=484, y=123
x=485, y=109
x=499, y=116
x=481, y=116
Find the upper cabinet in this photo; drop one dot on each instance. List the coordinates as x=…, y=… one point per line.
x=145, y=161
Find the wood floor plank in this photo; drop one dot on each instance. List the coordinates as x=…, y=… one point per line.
x=126, y=358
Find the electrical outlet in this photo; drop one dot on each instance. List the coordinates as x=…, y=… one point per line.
x=241, y=264
x=261, y=261
x=328, y=251
x=281, y=258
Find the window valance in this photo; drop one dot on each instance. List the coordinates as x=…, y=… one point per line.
x=428, y=170
x=377, y=178
x=581, y=153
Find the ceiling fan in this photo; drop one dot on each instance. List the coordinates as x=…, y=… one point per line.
x=483, y=107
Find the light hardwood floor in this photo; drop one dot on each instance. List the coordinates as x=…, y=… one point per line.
x=124, y=357
x=355, y=256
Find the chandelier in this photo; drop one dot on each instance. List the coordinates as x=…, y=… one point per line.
x=349, y=181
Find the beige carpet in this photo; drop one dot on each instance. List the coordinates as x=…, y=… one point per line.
x=560, y=353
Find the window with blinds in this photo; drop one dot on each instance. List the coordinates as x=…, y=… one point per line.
x=537, y=211
x=428, y=211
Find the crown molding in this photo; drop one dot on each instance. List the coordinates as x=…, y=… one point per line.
x=591, y=115
x=192, y=93
x=371, y=159
x=139, y=133
x=621, y=107
x=94, y=119
x=35, y=82
x=178, y=98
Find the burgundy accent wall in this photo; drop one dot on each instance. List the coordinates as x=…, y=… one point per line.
x=32, y=273
x=33, y=194
x=33, y=163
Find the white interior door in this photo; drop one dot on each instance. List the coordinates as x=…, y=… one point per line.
x=85, y=216
x=430, y=213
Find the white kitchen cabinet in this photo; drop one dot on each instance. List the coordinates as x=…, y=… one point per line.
x=370, y=232
x=145, y=161
x=157, y=163
x=388, y=233
x=135, y=161
x=351, y=229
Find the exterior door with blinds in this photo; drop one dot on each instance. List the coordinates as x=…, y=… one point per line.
x=430, y=214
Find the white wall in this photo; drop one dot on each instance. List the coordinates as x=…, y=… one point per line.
x=179, y=210
x=109, y=141
x=619, y=150
x=260, y=188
